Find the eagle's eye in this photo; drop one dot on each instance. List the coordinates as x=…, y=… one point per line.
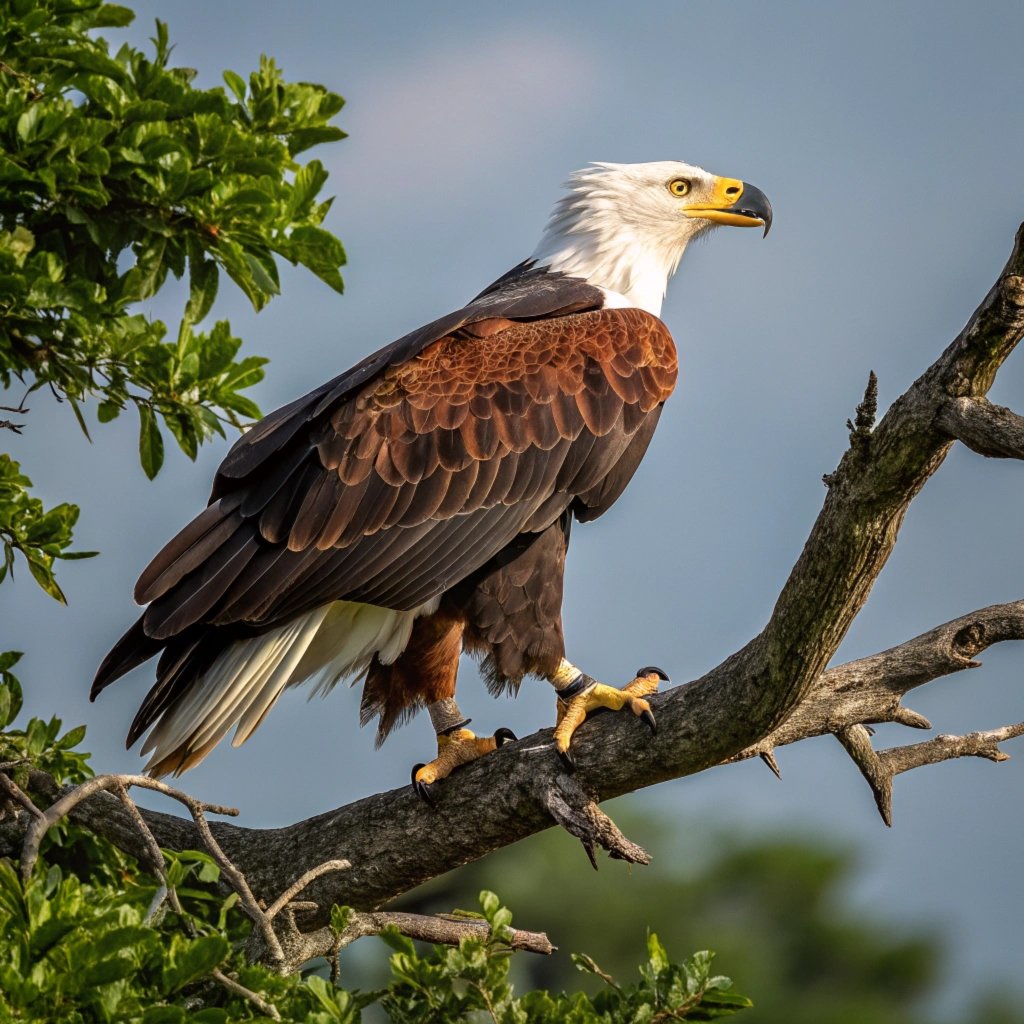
x=679, y=186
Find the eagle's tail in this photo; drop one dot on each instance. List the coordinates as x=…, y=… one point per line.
x=212, y=679
x=240, y=686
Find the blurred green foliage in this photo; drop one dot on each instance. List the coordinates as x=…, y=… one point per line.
x=776, y=909
x=115, y=172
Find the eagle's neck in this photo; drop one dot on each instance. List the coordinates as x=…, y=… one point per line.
x=631, y=264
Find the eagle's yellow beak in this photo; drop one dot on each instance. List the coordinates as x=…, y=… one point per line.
x=737, y=203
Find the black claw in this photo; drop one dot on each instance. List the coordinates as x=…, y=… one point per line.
x=422, y=788
x=653, y=670
x=648, y=717
x=504, y=735
x=568, y=761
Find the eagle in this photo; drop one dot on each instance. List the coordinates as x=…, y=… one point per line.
x=419, y=505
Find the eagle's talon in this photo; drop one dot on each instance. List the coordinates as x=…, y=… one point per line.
x=422, y=788
x=653, y=670
x=597, y=697
x=504, y=735
x=455, y=747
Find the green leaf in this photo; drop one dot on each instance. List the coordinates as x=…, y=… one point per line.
x=211, y=1015
x=305, y=138
x=28, y=121
x=164, y=1015
x=337, y=1003
x=77, y=410
x=340, y=918
x=151, y=444
x=396, y=940
x=10, y=694
x=105, y=971
x=8, y=659
x=193, y=959
x=656, y=952
x=490, y=903
x=263, y=273
x=43, y=575
x=72, y=738
x=113, y=16
x=235, y=83
x=308, y=182
x=204, y=276
x=108, y=411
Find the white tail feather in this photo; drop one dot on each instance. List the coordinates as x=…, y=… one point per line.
x=332, y=642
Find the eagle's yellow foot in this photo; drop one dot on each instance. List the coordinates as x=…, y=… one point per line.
x=458, y=746
x=593, y=696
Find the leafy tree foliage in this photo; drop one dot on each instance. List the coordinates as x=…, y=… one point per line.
x=115, y=171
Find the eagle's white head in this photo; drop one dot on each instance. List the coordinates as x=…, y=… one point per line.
x=624, y=227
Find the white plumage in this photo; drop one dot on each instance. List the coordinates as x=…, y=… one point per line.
x=334, y=642
x=620, y=229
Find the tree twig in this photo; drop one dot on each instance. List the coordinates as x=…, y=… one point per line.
x=67, y=802
x=871, y=689
x=879, y=768
x=16, y=793
x=445, y=930
x=300, y=883
x=268, y=1009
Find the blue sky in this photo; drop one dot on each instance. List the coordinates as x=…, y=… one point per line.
x=890, y=139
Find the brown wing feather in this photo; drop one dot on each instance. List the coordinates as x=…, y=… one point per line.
x=413, y=481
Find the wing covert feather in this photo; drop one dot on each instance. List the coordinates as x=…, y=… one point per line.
x=412, y=481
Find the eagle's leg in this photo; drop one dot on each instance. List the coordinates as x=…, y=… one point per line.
x=456, y=745
x=579, y=695
x=424, y=675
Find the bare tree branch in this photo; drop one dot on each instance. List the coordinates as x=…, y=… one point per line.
x=102, y=783
x=991, y=430
x=840, y=701
x=577, y=812
x=879, y=768
x=293, y=890
x=293, y=947
x=445, y=930
x=16, y=794
x=871, y=689
x=943, y=748
x=267, y=1009
x=773, y=691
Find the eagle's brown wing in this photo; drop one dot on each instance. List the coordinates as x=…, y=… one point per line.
x=404, y=486
x=422, y=476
